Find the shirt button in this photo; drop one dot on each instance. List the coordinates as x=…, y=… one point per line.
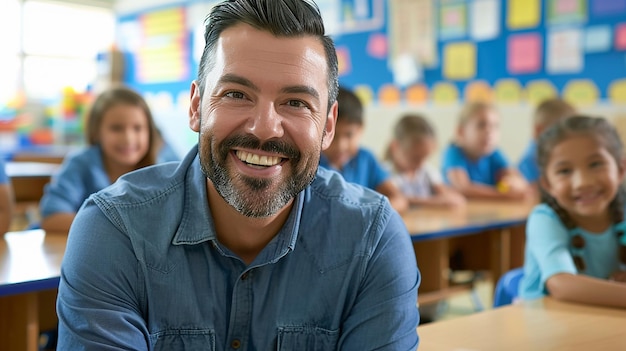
x=235, y=344
x=244, y=276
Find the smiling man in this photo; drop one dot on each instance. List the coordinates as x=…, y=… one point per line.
x=246, y=244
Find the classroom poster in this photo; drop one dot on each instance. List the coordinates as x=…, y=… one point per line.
x=359, y=16
x=417, y=94
x=478, y=91
x=365, y=94
x=523, y=14
x=617, y=92
x=539, y=90
x=444, y=93
x=524, y=53
x=452, y=20
x=508, y=91
x=411, y=28
x=343, y=60
x=581, y=92
x=565, y=53
x=620, y=37
x=459, y=61
x=566, y=11
x=406, y=70
x=598, y=39
x=484, y=19
x=608, y=7
x=377, y=46
x=389, y=95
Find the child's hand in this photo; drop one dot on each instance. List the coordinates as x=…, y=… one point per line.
x=619, y=276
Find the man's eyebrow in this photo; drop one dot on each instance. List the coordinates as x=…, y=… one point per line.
x=302, y=89
x=232, y=78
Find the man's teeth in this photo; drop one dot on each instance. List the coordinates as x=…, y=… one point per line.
x=257, y=159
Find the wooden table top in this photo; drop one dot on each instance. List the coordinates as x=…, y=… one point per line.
x=477, y=216
x=30, y=261
x=544, y=324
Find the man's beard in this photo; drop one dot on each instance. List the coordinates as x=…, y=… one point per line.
x=255, y=197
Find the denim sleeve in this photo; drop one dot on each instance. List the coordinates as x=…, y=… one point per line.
x=385, y=315
x=65, y=192
x=548, y=242
x=100, y=292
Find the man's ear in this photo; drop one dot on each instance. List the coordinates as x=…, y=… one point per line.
x=329, y=127
x=194, y=107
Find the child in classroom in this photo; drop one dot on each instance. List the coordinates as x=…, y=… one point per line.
x=6, y=199
x=575, y=243
x=547, y=113
x=355, y=163
x=413, y=143
x=120, y=133
x=474, y=165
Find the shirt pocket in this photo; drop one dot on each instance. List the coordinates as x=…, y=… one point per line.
x=183, y=339
x=306, y=338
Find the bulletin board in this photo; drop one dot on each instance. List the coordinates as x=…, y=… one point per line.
x=507, y=51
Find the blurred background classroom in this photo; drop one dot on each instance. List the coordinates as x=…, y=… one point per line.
x=424, y=56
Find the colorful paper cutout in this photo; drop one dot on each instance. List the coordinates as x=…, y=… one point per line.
x=567, y=11
x=365, y=94
x=377, y=46
x=413, y=30
x=565, y=53
x=581, y=92
x=452, y=21
x=444, y=93
x=343, y=60
x=608, y=7
x=540, y=90
x=508, y=91
x=598, y=38
x=389, y=95
x=524, y=53
x=617, y=91
x=416, y=94
x=459, y=61
x=523, y=13
x=478, y=91
x=485, y=19
x=406, y=70
x=620, y=36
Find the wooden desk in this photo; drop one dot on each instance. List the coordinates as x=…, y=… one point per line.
x=544, y=324
x=29, y=276
x=29, y=178
x=433, y=229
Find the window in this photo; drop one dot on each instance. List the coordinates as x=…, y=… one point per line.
x=55, y=46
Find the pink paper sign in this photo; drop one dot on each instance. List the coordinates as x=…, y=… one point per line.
x=524, y=53
x=620, y=37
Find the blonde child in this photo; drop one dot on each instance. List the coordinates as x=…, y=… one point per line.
x=575, y=238
x=547, y=113
x=121, y=136
x=474, y=165
x=355, y=163
x=413, y=142
x=6, y=200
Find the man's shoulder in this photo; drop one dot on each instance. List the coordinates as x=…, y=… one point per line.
x=330, y=185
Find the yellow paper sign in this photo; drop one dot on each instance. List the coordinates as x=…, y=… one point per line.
x=508, y=91
x=581, y=92
x=445, y=93
x=617, y=91
x=459, y=61
x=417, y=94
x=523, y=13
x=364, y=93
x=539, y=90
x=478, y=91
x=389, y=95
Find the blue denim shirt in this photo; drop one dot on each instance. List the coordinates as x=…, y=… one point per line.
x=143, y=270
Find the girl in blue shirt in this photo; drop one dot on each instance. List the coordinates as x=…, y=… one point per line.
x=575, y=238
x=6, y=199
x=121, y=135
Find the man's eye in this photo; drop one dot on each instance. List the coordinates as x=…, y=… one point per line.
x=235, y=95
x=297, y=103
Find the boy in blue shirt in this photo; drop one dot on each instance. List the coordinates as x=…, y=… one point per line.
x=474, y=165
x=355, y=163
x=546, y=114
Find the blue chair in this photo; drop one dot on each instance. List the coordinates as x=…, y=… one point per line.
x=507, y=287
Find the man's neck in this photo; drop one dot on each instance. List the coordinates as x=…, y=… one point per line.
x=245, y=236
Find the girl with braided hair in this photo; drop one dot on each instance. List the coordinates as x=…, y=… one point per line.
x=575, y=242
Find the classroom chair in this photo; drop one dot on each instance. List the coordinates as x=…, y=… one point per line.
x=507, y=287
